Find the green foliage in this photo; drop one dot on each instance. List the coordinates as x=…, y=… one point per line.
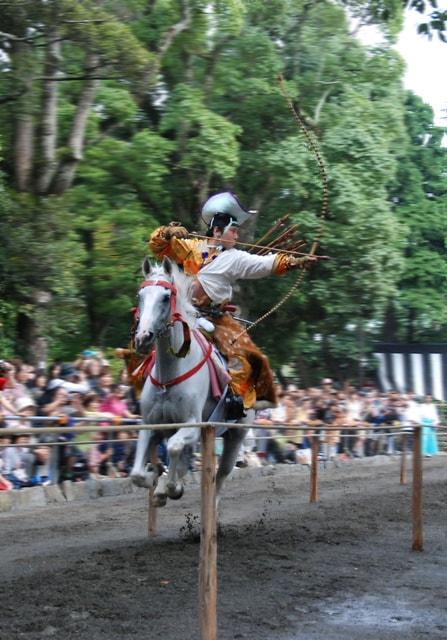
x=190, y=104
x=206, y=140
x=40, y=258
x=420, y=202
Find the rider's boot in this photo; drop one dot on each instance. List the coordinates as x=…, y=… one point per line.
x=234, y=406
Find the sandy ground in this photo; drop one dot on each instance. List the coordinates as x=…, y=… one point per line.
x=288, y=570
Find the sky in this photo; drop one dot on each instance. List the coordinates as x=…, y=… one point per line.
x=426, y=65
x=426, y=62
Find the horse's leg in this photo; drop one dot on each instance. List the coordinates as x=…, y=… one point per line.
x=232, y=440
x=186, y=436
x=141, y=476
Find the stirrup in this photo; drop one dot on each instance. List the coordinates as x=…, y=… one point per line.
x=234, y=407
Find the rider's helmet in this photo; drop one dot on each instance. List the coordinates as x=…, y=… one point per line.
x=224, y=210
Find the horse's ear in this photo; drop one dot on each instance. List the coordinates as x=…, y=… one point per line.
x=146, y=268
x=168, y=265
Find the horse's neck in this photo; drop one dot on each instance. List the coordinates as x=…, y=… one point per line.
x=167, y=365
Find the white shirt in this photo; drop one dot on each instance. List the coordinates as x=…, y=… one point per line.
x=411, y=414
x=429, y=412
x=219, y=275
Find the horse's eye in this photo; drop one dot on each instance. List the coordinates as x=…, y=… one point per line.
x=166, y=297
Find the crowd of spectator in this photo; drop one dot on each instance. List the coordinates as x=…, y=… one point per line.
x=362, y=422
x=84, y=389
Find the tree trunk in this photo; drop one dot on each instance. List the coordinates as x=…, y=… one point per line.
x=390, y=325
x=32, y=343
x=49, y=113
x=24, y=120
x=24, y=151
x=68, y=166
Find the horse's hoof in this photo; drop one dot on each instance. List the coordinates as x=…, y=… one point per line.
x=176, y=493
x=159, y=500
x=157, y=469
x=147, y=481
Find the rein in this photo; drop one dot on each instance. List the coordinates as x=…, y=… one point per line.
x=175, y=315
x=207, y=351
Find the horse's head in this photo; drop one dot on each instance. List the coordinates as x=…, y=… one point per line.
x=155, y=298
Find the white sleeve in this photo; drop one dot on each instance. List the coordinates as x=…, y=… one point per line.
x=247, y=266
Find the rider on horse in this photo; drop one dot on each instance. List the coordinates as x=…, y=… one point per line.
x=216, y=265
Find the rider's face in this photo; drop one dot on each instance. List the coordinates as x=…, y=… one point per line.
x=228, y=238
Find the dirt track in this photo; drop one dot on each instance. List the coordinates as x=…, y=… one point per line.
x=287, y=570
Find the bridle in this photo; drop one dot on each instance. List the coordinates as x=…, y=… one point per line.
x=175, y=316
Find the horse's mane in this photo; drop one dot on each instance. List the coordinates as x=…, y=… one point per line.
x=183, y=285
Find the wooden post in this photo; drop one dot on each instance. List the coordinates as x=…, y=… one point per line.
x=208, y=540
x=403, y=460
x=314, y=468
x=152, y=510
x=417, y=490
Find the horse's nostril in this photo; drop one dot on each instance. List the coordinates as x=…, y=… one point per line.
x=144, y=341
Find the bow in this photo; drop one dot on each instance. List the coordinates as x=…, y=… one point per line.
x=314, y=147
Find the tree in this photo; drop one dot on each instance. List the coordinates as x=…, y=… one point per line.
x=420, y=198
x=123, y=115
x=45, y=46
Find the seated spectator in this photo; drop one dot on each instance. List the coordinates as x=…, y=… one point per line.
x=6, y=406
x=114, y=402
x=104, y=384
x=12, y=389
x=59, y=403
x=5, y=484
x=91, y=367
x=19, y=462
x=99, y=457
x=70, y=379
x=123, y=453
x=90, y=409
x=39, y=384
x=268, y=448
x=25, y=408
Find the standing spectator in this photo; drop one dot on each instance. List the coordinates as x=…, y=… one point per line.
x=429, y=420
x=409, y=416
x=354, y=419
x=331, y=438
x=374, y=416
x=390, y=419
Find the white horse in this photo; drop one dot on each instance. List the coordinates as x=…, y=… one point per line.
x=178, y=387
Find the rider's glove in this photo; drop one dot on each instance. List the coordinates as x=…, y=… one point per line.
x=301, y=262
x=174, y=230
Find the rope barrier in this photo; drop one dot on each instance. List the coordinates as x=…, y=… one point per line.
x=10, y=431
